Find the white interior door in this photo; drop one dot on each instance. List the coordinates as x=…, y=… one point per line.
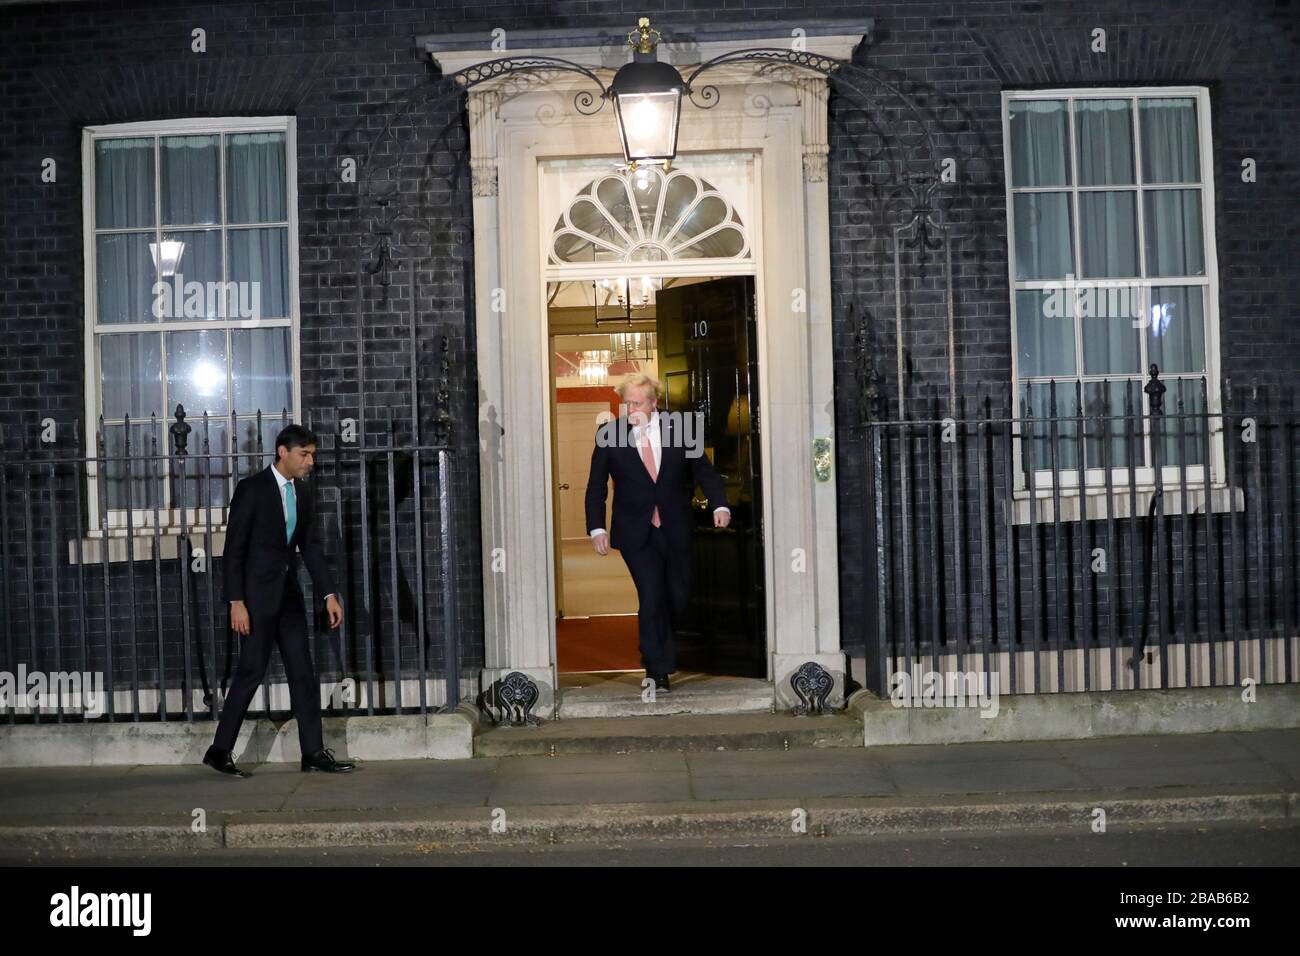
x=576, y=427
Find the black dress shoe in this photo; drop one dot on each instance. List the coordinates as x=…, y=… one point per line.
x=224, y=762
x=323, y=761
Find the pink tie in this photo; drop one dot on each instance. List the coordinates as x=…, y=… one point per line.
x=648, y=456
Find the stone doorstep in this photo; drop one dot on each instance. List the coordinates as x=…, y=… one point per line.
x=673, y=732
x=620, y=700
x=620, y=694
x=761, y=819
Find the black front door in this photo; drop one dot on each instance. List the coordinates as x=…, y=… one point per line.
x=708, y=361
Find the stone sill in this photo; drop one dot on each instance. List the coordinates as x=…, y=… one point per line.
x=1222, y=500
x=142, y=543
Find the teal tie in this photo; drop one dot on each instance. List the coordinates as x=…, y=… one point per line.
x=291, y=510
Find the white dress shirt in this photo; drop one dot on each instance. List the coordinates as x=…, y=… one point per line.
x=656, y=448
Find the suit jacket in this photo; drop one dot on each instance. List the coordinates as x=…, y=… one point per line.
x=258, y=560
x=636, y=496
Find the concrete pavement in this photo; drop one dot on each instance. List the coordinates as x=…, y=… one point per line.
x=838, y=791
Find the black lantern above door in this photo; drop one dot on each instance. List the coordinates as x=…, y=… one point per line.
x=647, y=99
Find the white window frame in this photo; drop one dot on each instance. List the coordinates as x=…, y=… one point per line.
x=170, y=517
x=1067, y=479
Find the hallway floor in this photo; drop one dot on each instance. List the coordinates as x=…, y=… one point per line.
x=595, y=583
x=606, y=642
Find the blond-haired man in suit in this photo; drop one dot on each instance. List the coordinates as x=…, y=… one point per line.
x=655, y=473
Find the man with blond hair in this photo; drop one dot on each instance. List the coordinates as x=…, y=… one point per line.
x=655, y=472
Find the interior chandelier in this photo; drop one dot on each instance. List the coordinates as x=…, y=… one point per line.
x=633, y=346
x=593, y=368
x=629, y=292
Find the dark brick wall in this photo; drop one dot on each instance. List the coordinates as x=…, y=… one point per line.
x=955, y=61
x=338, y=64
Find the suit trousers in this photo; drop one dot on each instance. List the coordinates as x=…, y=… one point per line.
x=662, y=577
x=288, y=629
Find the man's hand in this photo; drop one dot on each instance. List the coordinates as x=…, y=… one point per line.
x=721, y=519
x=601, y=543
x=239, y=617
x=335, y=611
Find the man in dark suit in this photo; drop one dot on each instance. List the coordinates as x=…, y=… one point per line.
x=270, y=519
x=654, y=476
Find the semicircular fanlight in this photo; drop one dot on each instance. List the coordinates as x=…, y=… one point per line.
x=648, y=216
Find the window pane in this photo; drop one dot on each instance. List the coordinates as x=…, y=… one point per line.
x=726, y=243
x=124, y=277
x=1044, y=231
x=254, y=452
x=613, y=195
x=573, y=248
x=262, y=371
x=1182, y=434
x=1104, y=131
x=124, y=183
x=259, y=263
x=707, y=213
x=1111, y=340
x=199, y=263
x=1038, y=138
x=1038, y=450
x=1173, y=228
x=130, y=371
x=681, y=193
x=255, y=178
x=1176, y=332
x=145, y=473
x=587, y=215
x=1170, y=151
x=1044, y=333
x=196, y=373
x=645, y=193
x=206, y=480
x=190, y=182
x=1108, y=234
x=1107, y=430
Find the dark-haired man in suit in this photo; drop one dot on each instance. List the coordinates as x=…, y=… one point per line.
x=654, y=475
x=270, y=520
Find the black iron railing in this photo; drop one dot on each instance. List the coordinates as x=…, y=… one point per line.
x=1089, y=535
x=110, y=570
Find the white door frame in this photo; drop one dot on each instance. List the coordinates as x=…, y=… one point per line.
x=782, y=120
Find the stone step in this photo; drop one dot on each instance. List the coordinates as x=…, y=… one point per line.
x=619, y=695
x=691, y=732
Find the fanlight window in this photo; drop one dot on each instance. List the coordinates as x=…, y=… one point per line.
x=648, y=216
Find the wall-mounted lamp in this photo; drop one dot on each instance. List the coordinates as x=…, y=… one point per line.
x=647, y=98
